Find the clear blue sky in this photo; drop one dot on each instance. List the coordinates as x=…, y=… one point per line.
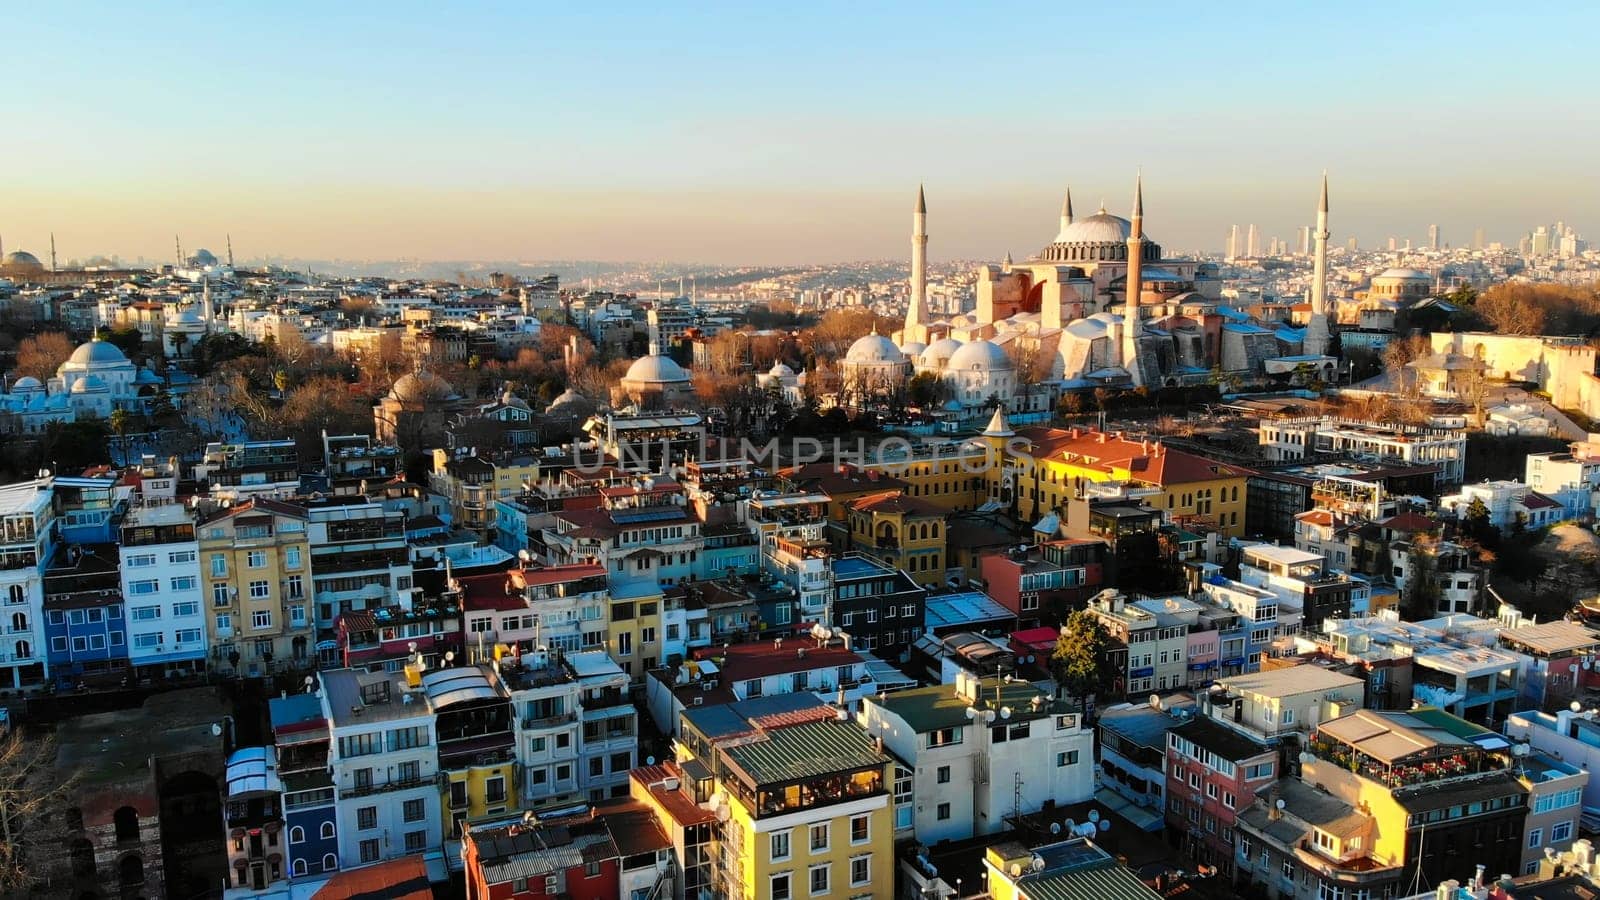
x=782, y=133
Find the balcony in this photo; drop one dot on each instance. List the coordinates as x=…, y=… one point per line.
x=555, y=721
x=397, y=784
x=1436, y=770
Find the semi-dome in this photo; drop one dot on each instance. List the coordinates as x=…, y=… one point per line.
x=98, y=353
x=22, y=260
x=420, y=387
x=874, y=348
x=980, y=355
x=656, y=369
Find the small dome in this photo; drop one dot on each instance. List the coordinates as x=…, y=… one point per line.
x=26, y=383
x=421, y=387
x=570, y=403
x=97, y=353
x=186, y=316
x=874, y=348
x=22, y=261
x=779, y=370
x=982, y=355
x=88, y=384
x=912, y=349
x=656, y=369
x=939, y=353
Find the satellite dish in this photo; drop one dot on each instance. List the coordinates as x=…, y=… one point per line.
x=311, y=682
x=1070, y=824
x=649, y=760
x=1105, y=825
x=411, y=646
x=1575, y=706
x=1037, y=864
x=1094, y=815
x=1279, y=804
x=1055, y=827
x=1016, y=870
x=528, y=818
x=216, y=729
x=988, y=715
x=1005, y=712
x=1155, y=701
x=1306, y=757
x=450, y=656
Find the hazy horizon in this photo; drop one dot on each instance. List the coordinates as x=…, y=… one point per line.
x=735, y=136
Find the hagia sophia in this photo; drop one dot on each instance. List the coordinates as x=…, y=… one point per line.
x=1080, y=308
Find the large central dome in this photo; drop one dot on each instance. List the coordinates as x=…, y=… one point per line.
x=1101, y=237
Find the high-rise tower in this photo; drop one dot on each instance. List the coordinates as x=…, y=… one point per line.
x=1135, y=286
x=1317, y=336
x=1252, y=244
x=916, y=327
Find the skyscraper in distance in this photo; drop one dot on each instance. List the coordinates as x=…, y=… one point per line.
x=1252, y=245
x=1433, y=237
x=1477, y=239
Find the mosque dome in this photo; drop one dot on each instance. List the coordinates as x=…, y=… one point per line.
x=1101, y=237
x=1100, y=228
x=421, y=387
x=203, y=257
x=97, y=353
x=26, y=383
x=939, y=353
x=1406, y=274
x=874, y=348
x=570, y=403
x=984, y=356
x=655, y=369
x=88, y=384
x=779, y=370
x=912, y=349
x=22, y=261
x=186, y=316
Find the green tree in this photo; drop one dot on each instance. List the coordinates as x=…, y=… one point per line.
x=1420, y=600
x=925, y=390
x=1081, y=664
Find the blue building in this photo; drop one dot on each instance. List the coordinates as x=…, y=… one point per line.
x=86, y=640
x=300, y=733
x=87, y=509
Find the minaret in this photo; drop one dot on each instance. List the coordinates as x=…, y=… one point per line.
x=1317, y=337
x=1135, y=286
x=52, y=251
x=1066, y=210
x=230, y=251
x=178, y=247
x=917, y=329
x=205, y=300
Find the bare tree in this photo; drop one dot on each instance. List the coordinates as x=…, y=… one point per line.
x=41, y=355
x=1514, y=308
x=31, y=790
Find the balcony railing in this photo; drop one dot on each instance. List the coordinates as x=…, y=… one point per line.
x=397, y=784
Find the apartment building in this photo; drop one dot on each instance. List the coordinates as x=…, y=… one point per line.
x=609, y=731
x=1288, y=440
x=902, y=532
x=1303, y=579
x=881, y=608
x=1212, y=773
x=256, y=569
x=982, y=750
x=474, y=734
x=1133, y=758
x=300, y=742
x=164, y=592
x=359, y=558
x=85, y=619
x=1156, y=642
x=27, y=543
x=235, y=472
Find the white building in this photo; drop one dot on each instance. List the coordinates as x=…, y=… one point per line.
x=608, y=721
x=166, y=608
x=1570, y=479
x=1287, y=440
x=359, y=558
x=1268, y=705
x=546, y=702
x=982, y=750
x=26, y=545
x=1509, y=503
x=385, y=765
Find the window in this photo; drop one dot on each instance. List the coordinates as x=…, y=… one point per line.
x=181, y=556
x=58, y=645
x=224, y=623
x=1264, y=770
x=409, y=771
x=943, y=811
x=942, y=775
x=144, y=588
x=1288, y=717
x=221, y=594
x=369, y=850
x=187, y=608
x=367, y=817
x=80, y=644
x=819, y=879
x=781, y=889
x=260, y=590
x=147, y=640
x=1066, y=758
x=297, y=615
x=945, y=737
x=860, y=831
x=256, y=559
x=780, y=846
x=327, y=833
x=412, y=811
x=294, y=587
x=360, y=744
x=416, y=841
x=819, y=837
x=140, y=560
x=860, y=870
x=297, y=835
x=291, y=558
x=183, y=583
x=1561, y=832
x=299, y=867
x=187, y=636
x=261, y=618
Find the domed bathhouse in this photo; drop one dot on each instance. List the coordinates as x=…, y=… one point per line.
x=655, y=382
x=414, y=413
x=786, y=382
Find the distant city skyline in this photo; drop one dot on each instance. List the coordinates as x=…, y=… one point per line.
x=723, y=137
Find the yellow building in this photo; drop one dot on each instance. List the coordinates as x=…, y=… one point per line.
x=475, y=737
x=473, y=483
x=255, y=562
x=900, y=531
x=634, y=625
x=1075, y=867
x=808, y=807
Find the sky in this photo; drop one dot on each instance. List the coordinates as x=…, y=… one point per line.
x=787, y=133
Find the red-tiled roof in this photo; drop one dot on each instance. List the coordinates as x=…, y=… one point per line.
x=679, y=804
x=1319, y=517
x=405, y=878
x=1148, y=461
x=740, y=662
x=1409, y=522
x=1536, y=500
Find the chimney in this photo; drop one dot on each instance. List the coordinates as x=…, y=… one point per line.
x=1583, y=851
x=1449, y=890
x=1273, y=812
